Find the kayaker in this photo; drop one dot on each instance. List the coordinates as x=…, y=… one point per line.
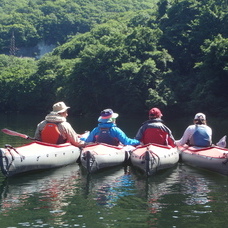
x=198, y=134
x=107, y=131
x=55, y=129
x=154, y=130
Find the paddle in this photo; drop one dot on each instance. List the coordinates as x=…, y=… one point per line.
x=14, y=133
x=222, y=142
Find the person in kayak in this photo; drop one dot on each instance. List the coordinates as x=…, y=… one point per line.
x=154, y=130
x=55, y=129
x=198, y=134
x=108, y=132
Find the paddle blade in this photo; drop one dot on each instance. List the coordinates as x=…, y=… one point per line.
x=222, y=142
x=14, y=133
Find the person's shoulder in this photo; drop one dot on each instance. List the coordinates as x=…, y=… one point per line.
x=208, y=127
x=116, y=129
x=42, y=122
x=190, y=128
x=65, y=124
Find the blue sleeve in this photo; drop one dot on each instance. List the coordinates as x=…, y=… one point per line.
x=121, y=136
x=91, y=137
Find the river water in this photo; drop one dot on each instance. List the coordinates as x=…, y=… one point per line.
x=183, y=196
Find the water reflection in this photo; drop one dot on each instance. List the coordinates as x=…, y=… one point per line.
x=195, y=187
x=179, y=197
x=69, y=197
x=52, y=189
x=154, y=188
x=107, y=189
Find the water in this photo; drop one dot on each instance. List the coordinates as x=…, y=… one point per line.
x=119, y=197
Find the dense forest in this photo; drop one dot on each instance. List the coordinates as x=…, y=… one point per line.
x=129, y=55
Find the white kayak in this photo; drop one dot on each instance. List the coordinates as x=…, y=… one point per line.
x=153, y=157
x=99, y=156
x=36, y=156
x=213, y=158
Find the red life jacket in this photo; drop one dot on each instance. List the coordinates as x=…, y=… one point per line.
x=158, y=136
x=51, y=134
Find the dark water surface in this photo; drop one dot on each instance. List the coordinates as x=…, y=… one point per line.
x=119, y=197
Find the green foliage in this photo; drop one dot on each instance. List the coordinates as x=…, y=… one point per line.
x=117, y=64
x=55, y=21
x=213, y=75
x=128, y=55
x=14, y=83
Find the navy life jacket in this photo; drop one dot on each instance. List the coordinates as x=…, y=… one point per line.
x=105, y=137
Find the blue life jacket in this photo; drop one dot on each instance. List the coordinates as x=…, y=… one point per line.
x=104, y=136
x=200, y=137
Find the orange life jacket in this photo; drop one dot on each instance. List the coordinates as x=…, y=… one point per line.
x=51, y=134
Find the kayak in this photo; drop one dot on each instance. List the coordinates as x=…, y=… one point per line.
x=96, y=156
x=36, y=156
x=212, y=158
x=153, y=157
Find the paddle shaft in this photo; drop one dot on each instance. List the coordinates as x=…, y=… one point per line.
x=14, y=133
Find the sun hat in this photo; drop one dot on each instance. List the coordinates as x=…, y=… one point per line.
x=155, y=112
x=60, y=107
x=200, y=116
x=107, y=115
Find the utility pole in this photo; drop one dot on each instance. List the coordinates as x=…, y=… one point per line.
x=12, y=45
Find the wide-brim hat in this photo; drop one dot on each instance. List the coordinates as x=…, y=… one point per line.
x=60, y=107
x=107, y=115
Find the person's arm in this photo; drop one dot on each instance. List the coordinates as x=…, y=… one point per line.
x=186, y=136
x=139, y=134
x=122, y=137
x=170, y=140
x=39, y=128
x=91, y=137
x=71, y=135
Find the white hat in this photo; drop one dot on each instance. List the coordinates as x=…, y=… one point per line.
x=200, y=116
x=60, y=107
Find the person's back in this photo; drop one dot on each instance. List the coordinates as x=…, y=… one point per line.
x=107, y=131
x=154, y=131
x=104, y=136
x=55, y=129
x=51, y=134
x=198, y=134
x=201, y=136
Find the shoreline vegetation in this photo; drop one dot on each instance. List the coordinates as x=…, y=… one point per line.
x=125, y=55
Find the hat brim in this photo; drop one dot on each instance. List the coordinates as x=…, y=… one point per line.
x=63, y=110
x=102, y=120
x=115, y=115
